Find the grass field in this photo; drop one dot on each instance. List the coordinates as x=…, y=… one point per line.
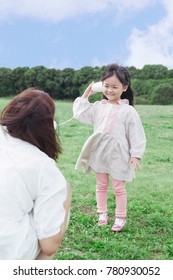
x=149, y=230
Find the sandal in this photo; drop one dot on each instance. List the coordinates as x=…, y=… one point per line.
x=103, y=219
x=119, y=224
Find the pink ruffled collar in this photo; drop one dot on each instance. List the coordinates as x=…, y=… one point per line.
x=120, y=102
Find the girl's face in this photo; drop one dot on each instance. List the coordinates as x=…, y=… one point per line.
x=113, y=89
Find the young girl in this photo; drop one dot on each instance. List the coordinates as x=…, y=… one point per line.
x=117, y=144
x=34, y=195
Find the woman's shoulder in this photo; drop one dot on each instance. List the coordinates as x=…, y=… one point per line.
x=35, y=155
x=20, y=150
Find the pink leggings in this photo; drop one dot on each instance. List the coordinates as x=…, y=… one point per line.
x=119, y=191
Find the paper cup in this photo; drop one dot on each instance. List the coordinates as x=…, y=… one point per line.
x=98, y=87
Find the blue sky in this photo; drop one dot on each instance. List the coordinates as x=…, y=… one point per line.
x=77, y=33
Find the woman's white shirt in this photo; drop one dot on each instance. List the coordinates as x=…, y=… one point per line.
x=32, y=194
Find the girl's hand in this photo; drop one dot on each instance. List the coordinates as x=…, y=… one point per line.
x=135, y=161
x=89, y=91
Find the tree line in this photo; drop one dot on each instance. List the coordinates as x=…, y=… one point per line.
x=153, y=84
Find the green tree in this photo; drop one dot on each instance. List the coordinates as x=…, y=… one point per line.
x=134, y=73
x=6, y=82
x=18, y=79
x=170, y=73
x=162, y=94
x=30, y=78
x=42, y=74
x=67, y=76
x=156, y=71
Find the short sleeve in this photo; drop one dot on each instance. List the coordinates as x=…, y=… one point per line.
x=49, y=212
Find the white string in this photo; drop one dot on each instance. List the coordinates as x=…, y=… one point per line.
x=65, y=121
x=70, y=118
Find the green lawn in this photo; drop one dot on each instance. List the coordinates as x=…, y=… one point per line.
x=149, y=230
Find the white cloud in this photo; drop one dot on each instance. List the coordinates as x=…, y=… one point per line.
x=57, y=64
x=154, y=45
x=96, y=62
x=54, y=10
x=127, y=8
x=151, y=46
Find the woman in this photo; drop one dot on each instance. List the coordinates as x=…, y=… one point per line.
x=34, y=195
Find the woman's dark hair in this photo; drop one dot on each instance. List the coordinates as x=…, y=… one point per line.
x=29, y=117
x=123, y=76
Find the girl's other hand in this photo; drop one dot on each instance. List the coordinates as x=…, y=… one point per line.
x=135, y=161
x=89, y=91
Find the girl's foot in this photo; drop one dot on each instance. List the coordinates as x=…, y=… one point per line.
x=103, y=219
x=119, y=224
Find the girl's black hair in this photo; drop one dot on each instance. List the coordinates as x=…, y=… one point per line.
x=123, y=76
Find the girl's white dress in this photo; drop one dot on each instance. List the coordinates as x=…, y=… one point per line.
x=32, y=194
x=118, y=135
